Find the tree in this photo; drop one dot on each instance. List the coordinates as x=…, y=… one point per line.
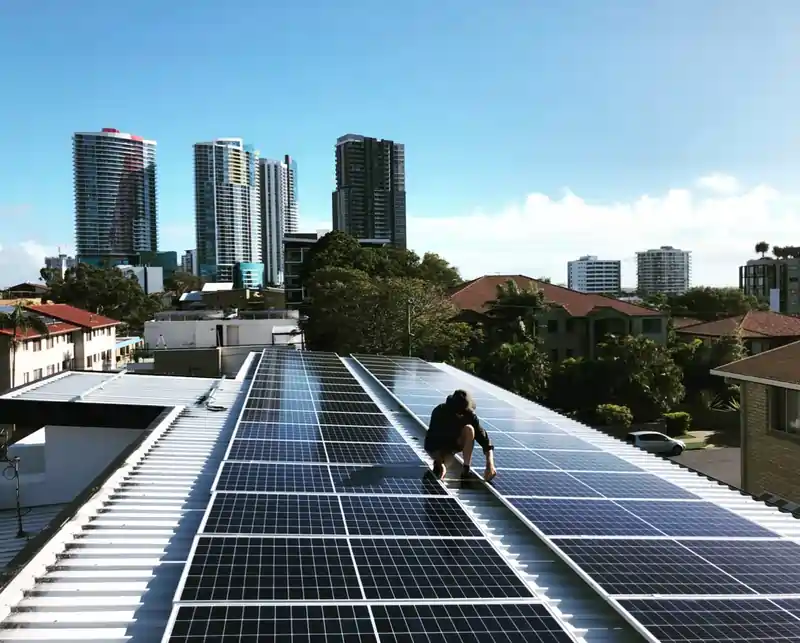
x=762, y=247
x=521, y=368
x=434, y=269
x=513, y=316
x=21, y=323
x=104, y=291
x=182, y=282
x=709, y=304
x=336, y=249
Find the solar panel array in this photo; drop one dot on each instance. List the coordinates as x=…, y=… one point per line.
x=676, y=566
x=325, y=525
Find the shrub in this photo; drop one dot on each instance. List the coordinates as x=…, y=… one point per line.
x=614, y=415
x=677, y=423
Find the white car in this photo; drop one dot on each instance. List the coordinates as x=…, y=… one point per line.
x=655, y=442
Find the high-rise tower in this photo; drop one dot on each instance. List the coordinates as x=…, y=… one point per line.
x=370, y=197
x=227, y=221
x=278, y=186
x=115, y=196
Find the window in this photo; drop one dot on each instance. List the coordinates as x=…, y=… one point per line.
x=651, y=325
x=26, y=378
x=37, y=374
x=552, y=325
x=571, y=325
x=554, y=354
x=784, y=410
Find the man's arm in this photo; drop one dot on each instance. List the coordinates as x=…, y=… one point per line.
x=482, y=437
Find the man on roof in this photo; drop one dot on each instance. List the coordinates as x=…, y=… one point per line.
x=453, y=428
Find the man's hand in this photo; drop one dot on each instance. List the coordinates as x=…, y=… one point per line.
x=489, y=472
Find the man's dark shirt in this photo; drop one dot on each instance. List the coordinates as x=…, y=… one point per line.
x=444, y=430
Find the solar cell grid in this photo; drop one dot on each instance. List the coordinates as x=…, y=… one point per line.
x=626, y=566
x=278, y=624
x=522, y=426
x=543, y=441
x=384, y=516
x=354, y=419
x=556, y=517
x=260, y=476
x=370, y=453
x=274, y=514
x=340, y=406
x=400, y=569
x=277, y=451
x=695, y=519
x=279, y=416
x=632, y=485
x=768, y=567
x=261, y=431
x=473, y=623
x=319, y=390
x=404, y=480
x=503, y=440
x=714, y=620
x=583, y=461
x=386, y=435
x=512, y=458
x=541, y=483
x=270, y=569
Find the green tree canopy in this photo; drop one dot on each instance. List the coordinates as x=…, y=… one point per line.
x=707, y=304
x=105, y=291
x=521, y=368
x=762, y=247
x=514, y=315
x=182, y=282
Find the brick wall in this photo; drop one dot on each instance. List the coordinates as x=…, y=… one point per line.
x=770, y=459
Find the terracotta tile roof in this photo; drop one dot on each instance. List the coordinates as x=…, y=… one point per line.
x=72, y=315
x=753, y=325
x=476, y=294
x=59, y=328
x=780, y=365
x=683, y=322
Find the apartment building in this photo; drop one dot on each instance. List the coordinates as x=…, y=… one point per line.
x=278, y=187
x=595, y=276
x=665, y=270
x=773, y=281
x=77, y=339
x=189, y=262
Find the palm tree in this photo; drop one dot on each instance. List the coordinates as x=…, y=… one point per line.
x=20, y=322
x=762, y=247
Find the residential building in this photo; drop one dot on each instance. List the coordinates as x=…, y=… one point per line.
x=760, y=330
x=60, y=264
x=664, y=270
x=150, y=278
x=189, y=262
x=773, y=281
x=26, y=290
x=227, y=206
x=574, y=323
x=136, y=467
x=77, y=339
x=248, y=275
x=769, y=385
x=278, y=186
x=115, y=196
x=370, y=197
x=592, y=275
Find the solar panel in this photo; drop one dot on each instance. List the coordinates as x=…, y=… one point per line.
x=767, y=566
x=278, y=623
x=496, y=622
x=627, y=566
x=682, y=519
x=544, y=441
x=277, y=451
x=340, y=406
x=503, y=440
x=558, y=517
x=224, y=568
x=274, y=514
x=370, y=453
x=506, y=458
x=519, y=426
x=715, y=620
x=279, y=416
x=260, y=476
x=362, y=434
x=404, y=480
x=632, y=485
x=541, y=483
x=354, y=419
x=402, y=569
x=411, y=516
x=583, y=461
x=260, y=431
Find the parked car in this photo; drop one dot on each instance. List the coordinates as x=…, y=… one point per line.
x=655, y=442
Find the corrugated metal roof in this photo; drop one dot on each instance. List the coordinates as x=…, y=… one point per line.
x=34, y=519
x=62, y=387
x=110, y=573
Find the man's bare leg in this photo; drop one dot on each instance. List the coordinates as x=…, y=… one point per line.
x=439, y=465
x=466, y=443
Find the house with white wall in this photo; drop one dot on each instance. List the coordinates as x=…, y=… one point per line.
x=77, y=339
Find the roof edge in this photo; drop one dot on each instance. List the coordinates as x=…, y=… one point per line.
x=756, y=380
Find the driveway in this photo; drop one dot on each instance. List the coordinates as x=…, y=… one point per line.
x=723, y=463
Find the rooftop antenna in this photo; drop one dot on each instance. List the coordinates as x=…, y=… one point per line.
x=11, y=472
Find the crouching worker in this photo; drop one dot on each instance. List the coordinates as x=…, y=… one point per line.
x=453, y=428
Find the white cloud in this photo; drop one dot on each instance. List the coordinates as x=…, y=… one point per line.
x=21, y=261
x=719, y=183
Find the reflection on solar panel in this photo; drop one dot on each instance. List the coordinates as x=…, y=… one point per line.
x=354, y=419
x=281, y=624
x=270, y=569
x=258, y=431
x=386, y=435
x=260, y=476
x=715, y=621
x=544, y=441
x=542, y=483
x=387, y=516
x=582, y=461
x=277, y=451
x=522, y=426
x=402, y=569
x=559, y=517
x=406, y=480
x=370, y=453
x=505, y=458
x=509, y=623
x=632, y=485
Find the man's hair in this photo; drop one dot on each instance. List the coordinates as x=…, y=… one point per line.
x=461, y=401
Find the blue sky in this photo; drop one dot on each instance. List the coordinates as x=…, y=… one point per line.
x=609, y=100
